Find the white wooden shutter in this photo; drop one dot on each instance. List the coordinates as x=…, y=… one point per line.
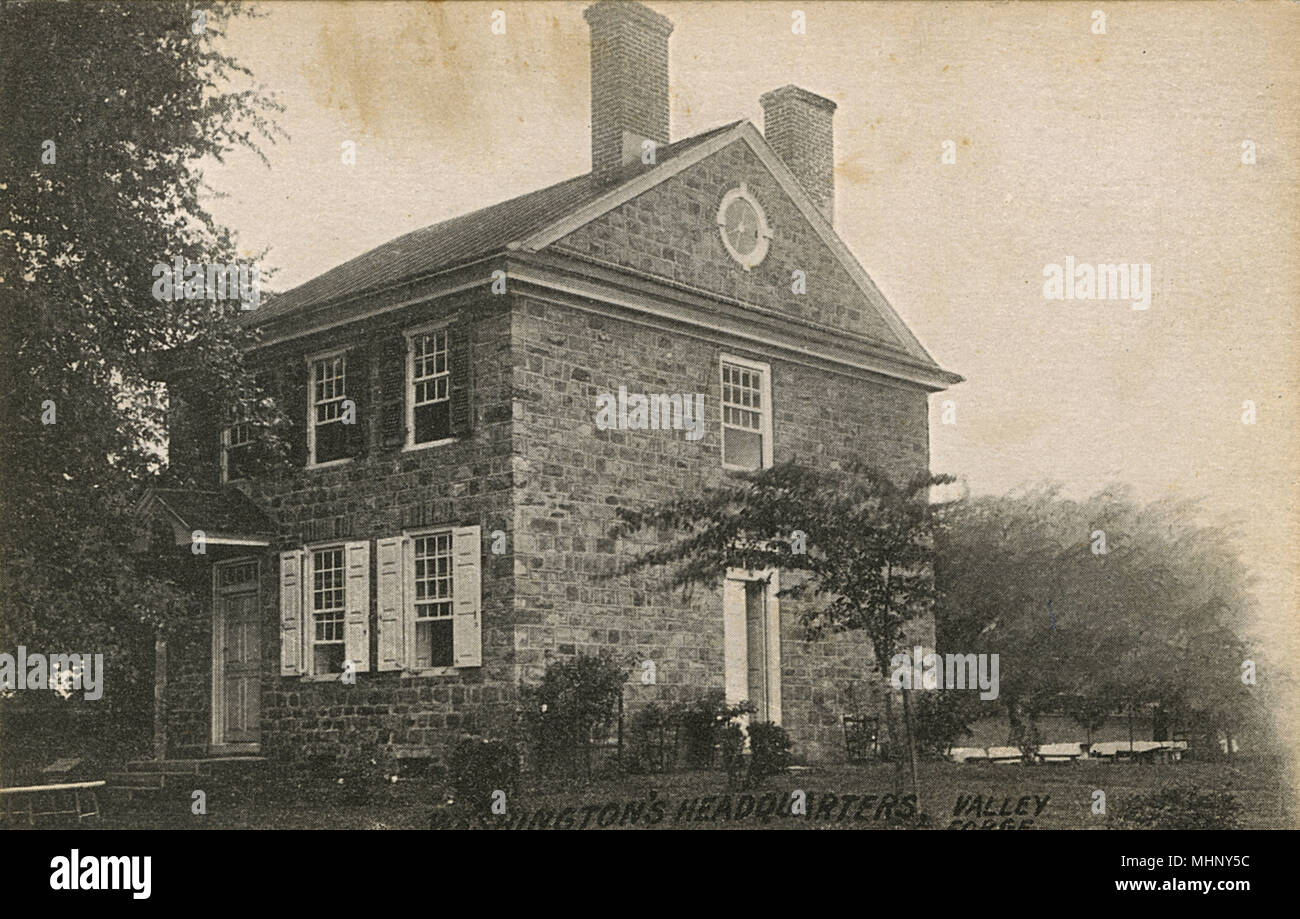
x=467, y=597
x=392, y=606
x=734, y=649
x=291, y=606
x=356, y=616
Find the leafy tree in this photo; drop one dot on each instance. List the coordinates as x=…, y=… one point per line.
x=111, y=110
x=867, y=540
x=1155, y=615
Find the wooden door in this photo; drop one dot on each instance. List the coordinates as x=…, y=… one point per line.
x=237, y=664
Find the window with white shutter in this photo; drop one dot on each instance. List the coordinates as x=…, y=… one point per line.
x=430, y=600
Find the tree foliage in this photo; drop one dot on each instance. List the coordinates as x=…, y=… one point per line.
x=111, y=111
x=860, y=541
x=1159, y=617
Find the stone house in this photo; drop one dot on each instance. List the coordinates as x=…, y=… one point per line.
x=453, y=494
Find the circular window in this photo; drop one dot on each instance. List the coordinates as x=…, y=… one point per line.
x=743, y=226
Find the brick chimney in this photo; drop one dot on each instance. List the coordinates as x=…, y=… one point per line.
x=797, y=125
x=629, y=82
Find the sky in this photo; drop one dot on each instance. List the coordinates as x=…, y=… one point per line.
x=1121, y=147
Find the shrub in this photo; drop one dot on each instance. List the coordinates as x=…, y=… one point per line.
x=649, y=732
x=706, y=724
x=731, y=745
x=940, y=719
x=479, y=766
x=362, y=768
x=769, y=750
x=576, y=698
x=1179, y=807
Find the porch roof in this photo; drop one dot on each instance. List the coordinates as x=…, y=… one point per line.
x=226, y=517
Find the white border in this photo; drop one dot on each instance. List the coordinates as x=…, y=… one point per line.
x=765, y=422
x=772, y=606
x=311, y=406
x=410, y=335
x=754, y=258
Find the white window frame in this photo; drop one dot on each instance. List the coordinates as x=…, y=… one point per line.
x=312, y=359
x=227, y=444
x=410, y=537
x=765, y=412
x=432, y=328
x=309, y=593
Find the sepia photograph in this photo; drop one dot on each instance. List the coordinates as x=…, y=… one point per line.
x=458, y=416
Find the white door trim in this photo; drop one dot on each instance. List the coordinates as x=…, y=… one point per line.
x=735, y=643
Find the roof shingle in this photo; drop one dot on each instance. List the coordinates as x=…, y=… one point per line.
x=458, y=240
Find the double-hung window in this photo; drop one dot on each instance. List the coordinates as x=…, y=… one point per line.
x=432, y=580
x=236, y=445
x=746, y=414
x=327, y=611
x=327, y=435
x=428, y=387
x=430, y=600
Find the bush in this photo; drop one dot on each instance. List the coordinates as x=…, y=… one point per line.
x=649, y=732
x=479, y=766
x=577, y=698
x=769, y=750
x=706, y=724
x=1179, y=807
x=940, y=719
x=731, y=745
x=362, y=768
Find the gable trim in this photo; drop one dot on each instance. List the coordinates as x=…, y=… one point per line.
x=780, y=172
x=621, y=194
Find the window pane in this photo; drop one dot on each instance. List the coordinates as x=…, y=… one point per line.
x=433, y=643
x=432, y=422
x=327, y=659
x=331, y=441
x=238, y=462
x=742, y=448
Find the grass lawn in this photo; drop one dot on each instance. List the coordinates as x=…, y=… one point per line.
x=980, y=795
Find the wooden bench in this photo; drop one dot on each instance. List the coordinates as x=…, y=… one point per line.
x=1060, y=753
x=50, y=796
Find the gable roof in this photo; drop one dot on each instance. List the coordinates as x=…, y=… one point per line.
x=533, y=221
x=487, y=231
x=222, y=515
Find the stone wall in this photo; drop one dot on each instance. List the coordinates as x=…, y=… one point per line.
x=574, y=476
x=377, y=494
